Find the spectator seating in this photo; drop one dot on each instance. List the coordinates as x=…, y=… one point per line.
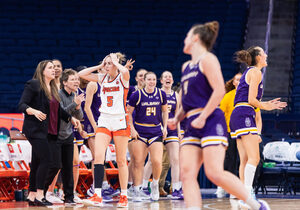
x=152, y=32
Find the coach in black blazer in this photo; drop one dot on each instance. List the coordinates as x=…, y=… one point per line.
x=39, y=115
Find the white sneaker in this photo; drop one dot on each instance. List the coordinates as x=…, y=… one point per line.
x=154, y=192
x=51, y=197
x=137, y=197
x=243, y=205
x=130, y=193
x=60, y=194
x=77, y=199
x=143, y=195
x=220, y=193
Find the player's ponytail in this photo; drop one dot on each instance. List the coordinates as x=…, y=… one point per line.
x=247, y=56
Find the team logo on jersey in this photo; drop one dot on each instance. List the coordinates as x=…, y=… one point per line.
x=110, y=89
x=89, y=128
x=247, y=122
x=219, y=129
x=117, y=82
x=156, y=97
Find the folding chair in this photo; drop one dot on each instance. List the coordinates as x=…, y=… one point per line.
x=13, y=172
x=278, y=152
x=85, y=175
x=293, y=171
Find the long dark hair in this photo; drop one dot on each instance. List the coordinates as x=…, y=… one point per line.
x=39, y=75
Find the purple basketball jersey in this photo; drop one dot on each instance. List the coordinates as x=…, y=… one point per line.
x=172, y=102
x=196, y=90
x=148, y=110
x=242, y=91
x=95, y=105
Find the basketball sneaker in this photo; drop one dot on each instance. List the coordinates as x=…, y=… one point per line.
x=76, y=198
x=107, y=199
x=137, y=196
x=91, y=191
x=130, y=192
x=123, y=202
x=95, y=200
x=110, y=192
x=146, y=191
x=264, y=205
x=53, y=198
x=176, y=195
x=154, y=191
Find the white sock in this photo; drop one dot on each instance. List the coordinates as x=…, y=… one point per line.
x=254, y=204
x=98, y=192
x=124, y=192
x=105, y=185
x=175, y=186
x=145, y=183
x=130, y=183
x=249, y=174
x=155, y=181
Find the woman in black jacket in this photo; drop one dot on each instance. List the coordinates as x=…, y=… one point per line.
x=40, y=104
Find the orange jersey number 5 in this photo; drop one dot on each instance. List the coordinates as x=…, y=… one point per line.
x=110, y=101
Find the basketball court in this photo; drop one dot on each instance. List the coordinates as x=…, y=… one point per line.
x=214, y=204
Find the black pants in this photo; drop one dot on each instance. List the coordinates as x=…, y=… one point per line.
x=40, y=157
x=62, y=158
x=230, y=162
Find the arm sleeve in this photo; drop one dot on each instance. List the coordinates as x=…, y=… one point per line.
x=70, y=108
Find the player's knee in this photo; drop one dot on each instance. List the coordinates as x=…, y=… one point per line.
x=174, y=161
x=213, y=174
x=185, y=173
x=138, y=163
x=156, y=162
x=121, y=162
